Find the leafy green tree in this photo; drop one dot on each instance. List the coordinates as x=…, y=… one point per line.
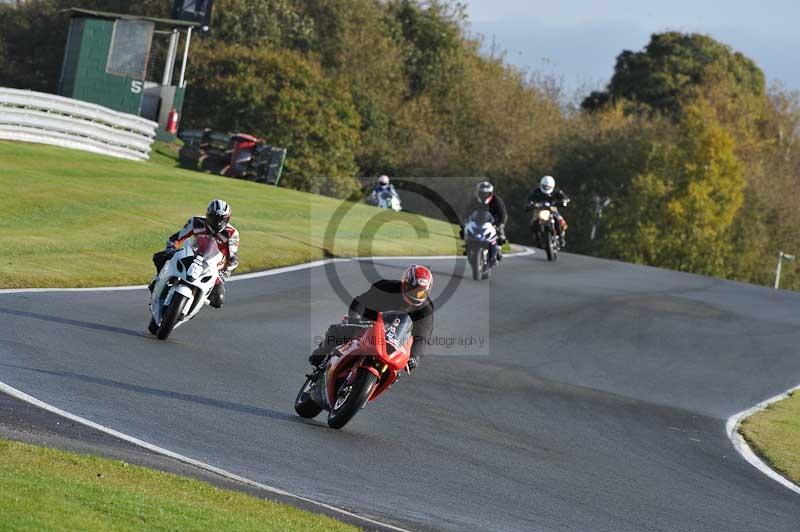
x=679, y=210
x=355, y=46
x=433, y=41
x=258, y=23
x=283, y=98
x=670, y=65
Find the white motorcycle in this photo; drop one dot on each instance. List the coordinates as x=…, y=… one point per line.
x=480, y=239
x=183, y=285
x=386, y=199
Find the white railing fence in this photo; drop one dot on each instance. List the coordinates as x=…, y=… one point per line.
x=49, y=119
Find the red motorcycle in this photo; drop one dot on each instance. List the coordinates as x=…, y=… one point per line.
x=358, y=371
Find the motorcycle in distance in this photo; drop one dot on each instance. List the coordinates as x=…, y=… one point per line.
x=543, y=228
x=386, y=199
x=359, y=370
x=183, y=285
x=480, y=236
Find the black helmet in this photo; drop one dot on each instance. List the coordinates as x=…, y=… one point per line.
x=484, y=192
x=218, y=215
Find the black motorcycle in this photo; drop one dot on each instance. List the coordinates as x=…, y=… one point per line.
x=543, y=228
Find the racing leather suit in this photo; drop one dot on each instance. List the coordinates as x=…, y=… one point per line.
x=373, y=199
x=227, y=241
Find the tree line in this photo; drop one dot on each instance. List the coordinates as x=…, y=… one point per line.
x=698, y=157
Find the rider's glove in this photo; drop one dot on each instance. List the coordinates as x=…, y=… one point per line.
x=413, y=362
x=224, y=274
x=566, y=202
x=501, y=234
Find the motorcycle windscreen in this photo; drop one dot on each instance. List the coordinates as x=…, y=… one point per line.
x=208, y=249
x=482, y=217
x=397, y=328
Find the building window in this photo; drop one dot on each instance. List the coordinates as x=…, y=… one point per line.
x=130, y=47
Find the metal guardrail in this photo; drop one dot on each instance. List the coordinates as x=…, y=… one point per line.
x=49, y=119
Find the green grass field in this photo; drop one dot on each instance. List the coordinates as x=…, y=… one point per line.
x=73, y=219
x=46, y=489
x=774, y=433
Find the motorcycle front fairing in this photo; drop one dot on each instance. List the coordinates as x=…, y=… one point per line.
x=480, y=228
x=389, y=200
x=383, y=350
x=192, y=272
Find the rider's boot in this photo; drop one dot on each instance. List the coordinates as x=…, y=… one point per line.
x=152, y=285
x=318, y=356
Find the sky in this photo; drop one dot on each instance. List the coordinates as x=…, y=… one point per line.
x=578, y=41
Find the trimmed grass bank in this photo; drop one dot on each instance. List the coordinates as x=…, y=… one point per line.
x=774, y=433
x=75, y=219
x=47, y=489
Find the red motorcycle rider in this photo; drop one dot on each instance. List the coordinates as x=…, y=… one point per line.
x=215, y=225
x=409, y=295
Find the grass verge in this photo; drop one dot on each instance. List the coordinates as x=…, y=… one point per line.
x=73, y=219
x=48, y=489
x=774, y=433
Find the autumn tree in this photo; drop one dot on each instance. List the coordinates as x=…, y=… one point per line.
x=679, y=210
x=283, y=98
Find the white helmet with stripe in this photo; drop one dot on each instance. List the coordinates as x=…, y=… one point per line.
x=218, y=215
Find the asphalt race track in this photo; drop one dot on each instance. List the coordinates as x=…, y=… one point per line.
x=600, y=405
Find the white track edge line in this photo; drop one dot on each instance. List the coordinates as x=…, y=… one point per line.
x=732, y=428
x=22, y=396
x=253, y=275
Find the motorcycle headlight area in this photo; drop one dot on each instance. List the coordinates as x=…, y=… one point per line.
x=544, y=215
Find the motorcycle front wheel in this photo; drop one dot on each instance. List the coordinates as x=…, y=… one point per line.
x=486, y=271
x=474, y=261
x=304, y=405
x=171, y=316
x=551, y=248
x=351, y=398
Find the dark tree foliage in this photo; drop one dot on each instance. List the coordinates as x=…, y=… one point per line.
x=669, y=66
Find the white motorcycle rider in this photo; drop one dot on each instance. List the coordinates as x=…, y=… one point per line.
x=184, y=284
x=384, y=196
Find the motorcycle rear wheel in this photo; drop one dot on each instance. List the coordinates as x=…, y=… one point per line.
x=304, y=405
x=171, y=316
x=349, y=402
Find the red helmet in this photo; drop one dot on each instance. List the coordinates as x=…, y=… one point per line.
x=416, y=284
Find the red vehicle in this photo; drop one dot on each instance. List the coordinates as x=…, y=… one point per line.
x=358, y=371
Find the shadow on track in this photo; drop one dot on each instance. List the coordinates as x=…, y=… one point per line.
x=206, y=401
x=75, y=323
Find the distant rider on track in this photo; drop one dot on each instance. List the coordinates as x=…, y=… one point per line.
x=486, y=199
x=410, y=295
x=547, y=192
x=383, y=184
x=214, y=225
